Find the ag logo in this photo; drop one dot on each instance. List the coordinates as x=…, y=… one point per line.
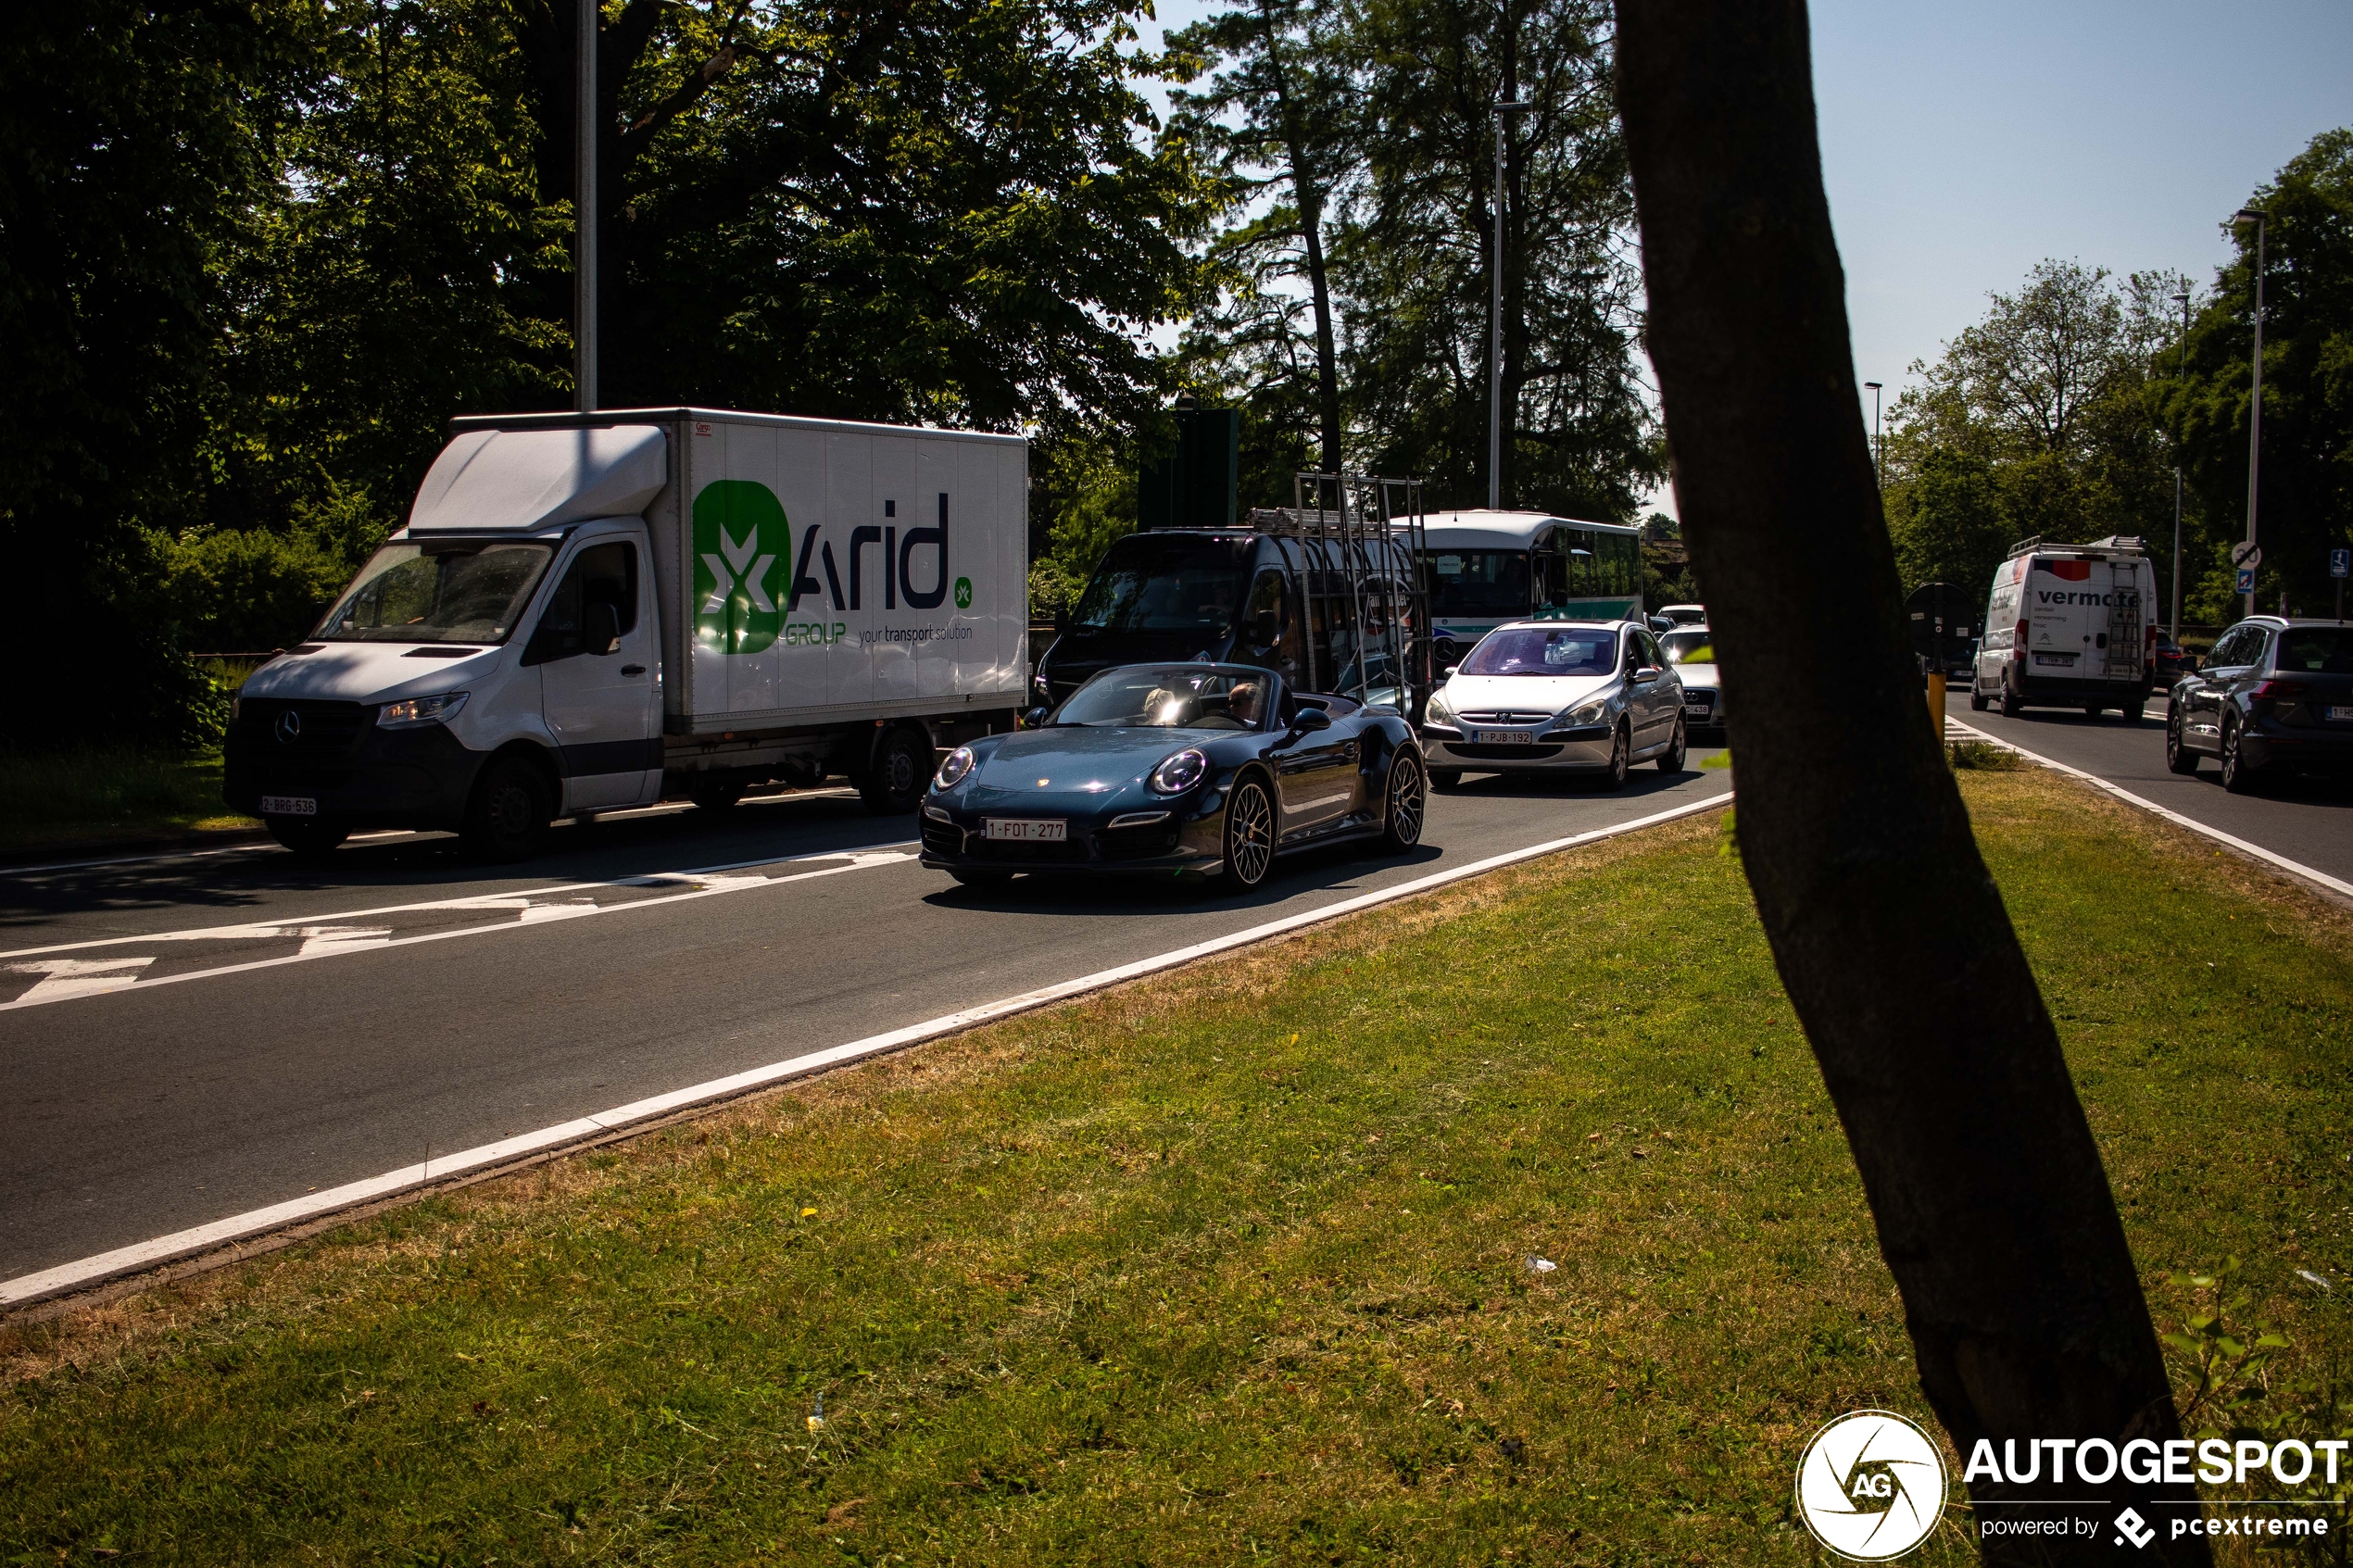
x=1870, y=1485
x=964, y=592
x=742, y=544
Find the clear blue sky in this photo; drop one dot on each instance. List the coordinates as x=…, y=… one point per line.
x=1961, y=143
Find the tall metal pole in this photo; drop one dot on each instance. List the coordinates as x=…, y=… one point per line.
x=1877, y=451
x=2255, y=412
x=1495, y=331
x=2173, y=631
x=583, y=274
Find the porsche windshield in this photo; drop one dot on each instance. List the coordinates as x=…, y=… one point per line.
x=1531, y=652
x=1165, y=582
x=439, y=591
x=1168, y=699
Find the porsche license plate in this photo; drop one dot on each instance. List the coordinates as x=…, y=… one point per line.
x=2341, y=714
x=289, y=806
x=1028, y=830
x=1502, y=737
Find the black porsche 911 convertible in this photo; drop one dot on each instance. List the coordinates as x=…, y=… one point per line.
x=1197, y=770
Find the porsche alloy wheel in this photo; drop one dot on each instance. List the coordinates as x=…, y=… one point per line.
x=1250, y=835
x=1408, y=800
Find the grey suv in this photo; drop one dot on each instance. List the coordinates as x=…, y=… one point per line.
x=2275, y=696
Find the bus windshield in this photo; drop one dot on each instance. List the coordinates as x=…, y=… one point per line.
x=1479, y=582
x=1165, y=582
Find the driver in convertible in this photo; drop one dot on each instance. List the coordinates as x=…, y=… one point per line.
x=1247, y=703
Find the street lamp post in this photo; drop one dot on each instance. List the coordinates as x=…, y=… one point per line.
x=1495, y=338
x=2173, y=633
x=583, y=274
x=1877, y=451
x=2255, y=412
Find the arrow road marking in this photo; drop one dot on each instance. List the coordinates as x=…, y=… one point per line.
x=69, y=978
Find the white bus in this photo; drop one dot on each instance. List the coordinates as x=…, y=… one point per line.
x=1486, y=568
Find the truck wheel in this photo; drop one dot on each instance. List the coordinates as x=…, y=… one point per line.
x=1408, y=802
x=2011, y=706
x=902, y=767
x=308, y=837
x=715, y=794
x=1977, y=701
x=507, y=819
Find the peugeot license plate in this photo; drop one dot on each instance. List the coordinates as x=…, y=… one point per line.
x=2341, y=714
x=1502, y=737
x=1026, y=830
x=288, y=806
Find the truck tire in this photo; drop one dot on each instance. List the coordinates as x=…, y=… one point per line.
x=2011, y=706
x=507, y=817
x=715, y=793
x=309, y=837
x=1976, y=699
x=894, y=786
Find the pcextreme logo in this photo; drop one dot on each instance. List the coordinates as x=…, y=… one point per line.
x=1870, y=1485
x=741, y=536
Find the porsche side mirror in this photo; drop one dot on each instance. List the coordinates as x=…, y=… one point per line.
x=1310, y=719
x=1035, y=718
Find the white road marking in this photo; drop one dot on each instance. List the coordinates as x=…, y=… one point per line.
x=524, y=899
x=2241, y=845
x=86, y=1271
x=327, y=942
x=68, y=978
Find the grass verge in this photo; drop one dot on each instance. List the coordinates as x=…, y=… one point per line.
x=97, y=795
x=1231, y=1263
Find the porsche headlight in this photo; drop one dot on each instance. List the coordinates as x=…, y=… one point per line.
x=958, y=767
x=1179, y=773
x=420, y=710
x=1592, y=711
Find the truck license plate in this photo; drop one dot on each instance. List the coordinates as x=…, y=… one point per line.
x=2054, y=658
x=1502, y=737
x=1025, y=830
x=289, y=806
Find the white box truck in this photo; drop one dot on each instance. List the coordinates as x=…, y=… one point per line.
x=2068, y=626
x=593, y=612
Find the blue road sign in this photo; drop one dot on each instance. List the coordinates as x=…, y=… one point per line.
x=2341, y=564
x=2246, y=580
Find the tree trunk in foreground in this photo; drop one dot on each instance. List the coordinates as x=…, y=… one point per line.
x=1992, y=1207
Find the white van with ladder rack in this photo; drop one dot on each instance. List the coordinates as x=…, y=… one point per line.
x=2068, y=626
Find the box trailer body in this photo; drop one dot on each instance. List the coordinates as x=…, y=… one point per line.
x=644, y=604
x=2068, y=626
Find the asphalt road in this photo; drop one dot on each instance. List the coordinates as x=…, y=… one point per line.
x=188, y=1039
x=2309, y=820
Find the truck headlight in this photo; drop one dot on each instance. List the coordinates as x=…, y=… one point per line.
x=957, y=768
x=420, y=710
x=1590, y=711
x=1179, y=773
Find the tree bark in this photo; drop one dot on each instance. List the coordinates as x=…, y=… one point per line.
x=1992, y=1207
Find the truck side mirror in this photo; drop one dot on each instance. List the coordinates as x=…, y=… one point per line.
x=1062, y=620
x=600, y=628
x=1269, y=630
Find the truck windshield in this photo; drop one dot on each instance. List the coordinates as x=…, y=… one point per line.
x=1165, y=582
x=1479, y=582
x=441, y=591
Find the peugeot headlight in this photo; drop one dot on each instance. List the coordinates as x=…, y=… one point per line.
x=956, y=769
x=420, y=710
x=1179, y=773
x=1590, y=711
x=1438, y=711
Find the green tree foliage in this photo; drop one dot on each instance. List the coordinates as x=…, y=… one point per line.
x=1366, y=135
x=2035, y=420
x=2306, y=506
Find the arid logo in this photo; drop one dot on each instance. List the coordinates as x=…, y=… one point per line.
x=741, y=535
x=1871, y=1486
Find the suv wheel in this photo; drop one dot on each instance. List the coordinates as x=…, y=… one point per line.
x=507, y=819
x=903, y=768
x=2179, y=758
x=2237, y=777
